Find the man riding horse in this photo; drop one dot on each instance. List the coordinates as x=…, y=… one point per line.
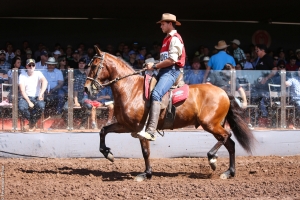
x=172, y=58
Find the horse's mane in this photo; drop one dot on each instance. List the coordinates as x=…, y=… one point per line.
x=122, y=61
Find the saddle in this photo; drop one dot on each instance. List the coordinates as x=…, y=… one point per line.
x=176, y=94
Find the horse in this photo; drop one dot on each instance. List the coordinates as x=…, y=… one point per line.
x=207, y=106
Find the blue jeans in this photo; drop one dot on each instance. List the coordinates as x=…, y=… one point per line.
x=166, y=78
x=32, y=115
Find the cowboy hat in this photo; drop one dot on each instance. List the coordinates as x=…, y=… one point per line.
x=170, y=18
x=51, y=61
x=221, y=45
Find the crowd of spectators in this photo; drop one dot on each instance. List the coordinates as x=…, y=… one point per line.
x=54, y=62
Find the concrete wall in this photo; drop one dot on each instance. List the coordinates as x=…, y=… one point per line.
x=174, y=144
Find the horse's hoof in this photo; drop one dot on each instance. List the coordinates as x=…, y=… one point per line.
x=213, y=163
x=110, y=157
x=226, y=175
x=140, y=177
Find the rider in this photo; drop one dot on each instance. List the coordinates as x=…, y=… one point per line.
x=172, y=58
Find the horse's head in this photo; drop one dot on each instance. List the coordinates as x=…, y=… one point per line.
x=97, y=74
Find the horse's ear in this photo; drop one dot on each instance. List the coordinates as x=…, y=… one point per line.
x=98, y=51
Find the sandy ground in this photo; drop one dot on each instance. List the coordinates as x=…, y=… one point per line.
x=177, y=178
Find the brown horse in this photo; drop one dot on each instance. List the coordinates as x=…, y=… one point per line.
x=207, y=105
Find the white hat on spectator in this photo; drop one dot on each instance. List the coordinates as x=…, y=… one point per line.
x=51, y=61
x=57, y=52
x=28, y=61
x=206, y=58
x=237, y=42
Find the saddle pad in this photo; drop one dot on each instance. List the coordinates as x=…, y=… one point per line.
x=180, y=94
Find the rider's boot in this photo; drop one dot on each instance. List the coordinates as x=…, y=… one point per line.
x=149, y=134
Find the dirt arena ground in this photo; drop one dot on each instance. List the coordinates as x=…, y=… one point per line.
x=269, y=177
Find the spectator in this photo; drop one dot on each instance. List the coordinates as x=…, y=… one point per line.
x=62, y=66
x=294, y=83
x=298, y=57
x=119, y=54
x=25, y=45
x=69, y=53
x=56, y=54
x=79, y=95
x=32, y=87
x=75, y=61
x=126, y=53
x=9, y=54
x=281, y=55
x=37, y=53
x=248, y=65
x=275, y=61
x=27, y=56
x=132, y=59
x=200, y=52
x=4, y=66
x=89, y=56
x=140, y=62
x=110, y=49
x=205, y=53
x=217, y=61
x=105, y=98
x=205, y=63
x=16, y=63
x=18, y=52
x=291, y=66
x=238, y=53
x=222, y=80
x=53, y=96
x=195, y=75
x=41, y=65
x=120, y=47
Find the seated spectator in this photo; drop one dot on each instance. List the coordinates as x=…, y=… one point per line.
x=294, y=83
x=53, y=96
x=126, y=53
x=32, y=86
x=282, y=56
x=132, y=60
x=79, y=94
x=205, y=62
x=275, y=61
x=298, y=57
x=56, y=54
x=248, y=65
x=16, y=63
x=140, y=62
x=9, y=54
x=4, y=66
x=119, y=54
x=62, y=66
x=196, y=74
x=291, y=66
x=105, y=98
x=42, y=64
x=222, y=80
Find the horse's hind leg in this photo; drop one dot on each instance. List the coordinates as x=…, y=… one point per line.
x=212, y=155
x=146, y=154
x=223, y=137
x=230, y=146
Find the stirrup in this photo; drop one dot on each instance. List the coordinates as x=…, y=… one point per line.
x=146, y=135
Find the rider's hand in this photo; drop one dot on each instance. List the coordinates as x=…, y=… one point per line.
x=149, y=66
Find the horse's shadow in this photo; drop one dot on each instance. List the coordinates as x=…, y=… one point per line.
x=114, y=175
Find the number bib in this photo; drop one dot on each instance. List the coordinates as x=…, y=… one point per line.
x=164, y=55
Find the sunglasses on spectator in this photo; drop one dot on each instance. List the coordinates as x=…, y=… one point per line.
x=31, y=65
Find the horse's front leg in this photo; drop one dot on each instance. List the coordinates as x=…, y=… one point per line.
x=118, y=128
x=146, y=154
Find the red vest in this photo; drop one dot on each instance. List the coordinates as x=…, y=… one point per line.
x=164, y=51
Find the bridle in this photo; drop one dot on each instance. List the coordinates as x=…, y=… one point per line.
x=96, y=85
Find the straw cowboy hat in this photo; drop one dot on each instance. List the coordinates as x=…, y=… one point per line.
x=170, y=18
x=51, y=61
x=221, y=45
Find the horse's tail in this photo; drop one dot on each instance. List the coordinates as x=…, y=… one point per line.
x=238, y=125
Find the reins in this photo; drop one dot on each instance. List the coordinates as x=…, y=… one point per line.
x=100, y=66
